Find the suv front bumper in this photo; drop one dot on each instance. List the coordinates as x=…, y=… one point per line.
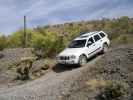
x=67, y=61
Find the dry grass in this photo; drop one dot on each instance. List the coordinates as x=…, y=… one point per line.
x=96, y=84
x=108, y=89
x=123, y=39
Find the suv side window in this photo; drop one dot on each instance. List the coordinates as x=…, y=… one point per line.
x=90, y=41
x=102, y=35
x=96, y=37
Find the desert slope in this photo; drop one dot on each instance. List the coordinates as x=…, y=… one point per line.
x=69, y=83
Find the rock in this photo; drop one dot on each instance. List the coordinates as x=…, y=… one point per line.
x=38, y=65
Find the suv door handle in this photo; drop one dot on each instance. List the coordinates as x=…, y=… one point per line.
x=93, y=44
x=101, y=40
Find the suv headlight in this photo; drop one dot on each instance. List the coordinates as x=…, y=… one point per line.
x=72, y=56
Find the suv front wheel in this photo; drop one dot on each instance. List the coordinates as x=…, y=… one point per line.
x=82, y=60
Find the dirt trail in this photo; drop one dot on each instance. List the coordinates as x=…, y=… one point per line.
x=52, y=86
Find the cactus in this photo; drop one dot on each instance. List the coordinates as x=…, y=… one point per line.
x=24, y=67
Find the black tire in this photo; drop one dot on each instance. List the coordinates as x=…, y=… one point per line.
x=82, y=60
x=105, y=48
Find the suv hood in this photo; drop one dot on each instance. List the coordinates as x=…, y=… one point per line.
x=72, y=51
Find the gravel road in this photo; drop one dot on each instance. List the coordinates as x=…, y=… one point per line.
x=54, y=85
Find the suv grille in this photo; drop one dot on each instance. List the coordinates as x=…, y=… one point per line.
x=64, y=58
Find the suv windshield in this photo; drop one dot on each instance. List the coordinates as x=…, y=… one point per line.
x=77, y=44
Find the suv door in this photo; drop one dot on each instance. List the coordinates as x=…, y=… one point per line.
x=90, y=46
x=98, y=43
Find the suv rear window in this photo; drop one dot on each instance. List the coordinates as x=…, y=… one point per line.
x=102, y=35
x=96, y=37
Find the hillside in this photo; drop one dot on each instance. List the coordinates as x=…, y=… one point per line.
x=81, y=83
x=51, y=39
x=30, y=71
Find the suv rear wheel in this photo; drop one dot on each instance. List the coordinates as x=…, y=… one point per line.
x=82, y=60
x=105, y=48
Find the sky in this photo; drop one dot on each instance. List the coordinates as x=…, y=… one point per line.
x=49, y=12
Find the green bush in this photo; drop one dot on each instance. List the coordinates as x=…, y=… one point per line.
x=49, y=44
x=17, y=39
x=3, y=42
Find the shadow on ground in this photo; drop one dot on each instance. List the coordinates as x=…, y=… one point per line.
x=58, y=68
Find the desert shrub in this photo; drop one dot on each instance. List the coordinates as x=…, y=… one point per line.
x=17, y=39
x=123, y=39
x=130, y=30
x=47, y=45
x=94, y=84
x=108, y=89
x=113, y=35
x=113, y=90
x=3, y=42
x=38, y=43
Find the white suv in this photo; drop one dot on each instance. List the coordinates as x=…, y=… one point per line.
x=84, y=47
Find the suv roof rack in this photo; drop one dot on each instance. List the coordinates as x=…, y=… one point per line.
x=88, y=34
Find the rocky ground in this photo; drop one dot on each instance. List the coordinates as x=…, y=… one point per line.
x=8, y=58
x=12, y=59
x=79, y=83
